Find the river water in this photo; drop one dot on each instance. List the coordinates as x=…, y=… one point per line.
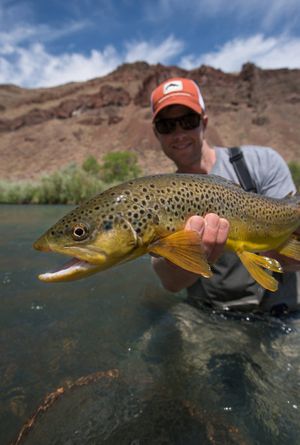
x=127, y=363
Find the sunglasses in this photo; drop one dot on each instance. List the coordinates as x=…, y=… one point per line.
x=186, y=122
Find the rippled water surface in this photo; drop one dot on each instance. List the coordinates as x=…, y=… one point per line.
x=126, y=363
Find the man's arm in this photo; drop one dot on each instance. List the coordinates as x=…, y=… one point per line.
x=214, y=232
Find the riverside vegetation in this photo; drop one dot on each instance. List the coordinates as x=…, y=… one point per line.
x=74, y=184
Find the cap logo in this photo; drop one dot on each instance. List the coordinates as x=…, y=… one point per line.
x=174, y=85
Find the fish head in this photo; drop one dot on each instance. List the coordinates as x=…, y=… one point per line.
x=98, y=240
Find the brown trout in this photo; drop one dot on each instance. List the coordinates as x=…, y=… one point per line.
x=148, y=215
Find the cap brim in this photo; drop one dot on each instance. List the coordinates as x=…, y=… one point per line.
x=178, y=100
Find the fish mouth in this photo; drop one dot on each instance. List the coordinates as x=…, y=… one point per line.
x=73, y=269
x=86, y=253
x=85, y=261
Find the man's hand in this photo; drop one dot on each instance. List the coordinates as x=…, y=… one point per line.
x=214, y=232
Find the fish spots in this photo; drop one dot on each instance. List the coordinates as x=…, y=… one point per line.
x=168, y=200
x=107, y=225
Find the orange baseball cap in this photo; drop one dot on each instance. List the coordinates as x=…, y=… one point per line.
x=177, y=91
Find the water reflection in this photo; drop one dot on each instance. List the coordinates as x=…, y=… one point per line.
x=184, y=375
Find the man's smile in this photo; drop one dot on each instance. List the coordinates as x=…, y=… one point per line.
x=182, y=145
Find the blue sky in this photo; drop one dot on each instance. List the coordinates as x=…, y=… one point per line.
x=47, y=43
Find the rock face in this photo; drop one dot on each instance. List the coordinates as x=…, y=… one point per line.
x=42, y=130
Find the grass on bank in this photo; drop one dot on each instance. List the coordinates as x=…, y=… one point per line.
x=75, y=184
x=295, y=171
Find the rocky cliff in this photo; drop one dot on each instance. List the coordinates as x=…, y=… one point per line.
x=42, y=130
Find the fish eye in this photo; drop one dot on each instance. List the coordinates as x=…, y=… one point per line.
x=80, y=232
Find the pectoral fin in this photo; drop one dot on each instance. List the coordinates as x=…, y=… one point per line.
x=253, y=264
x=291, y=248
x=183, y=248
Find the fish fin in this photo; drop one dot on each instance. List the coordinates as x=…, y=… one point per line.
x=184, y=249
x=253, y=264
x=291, y=248
x=264, y=261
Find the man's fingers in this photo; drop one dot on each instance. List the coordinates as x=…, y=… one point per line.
x=196, y=223
x=221, y=239
x=214, y=232
x=210, y=234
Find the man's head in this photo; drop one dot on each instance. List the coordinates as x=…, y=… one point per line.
x=177, y=91
x=179, y=121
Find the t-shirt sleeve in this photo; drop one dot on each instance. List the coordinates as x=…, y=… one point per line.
x=270, y=172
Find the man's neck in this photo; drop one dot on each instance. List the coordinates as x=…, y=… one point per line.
x=204, y=165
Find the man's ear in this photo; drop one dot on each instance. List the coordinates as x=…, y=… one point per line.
x=205, y=121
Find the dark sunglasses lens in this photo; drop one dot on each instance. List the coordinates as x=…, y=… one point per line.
x=165, y=126
x=190, y=121
x=187, y=122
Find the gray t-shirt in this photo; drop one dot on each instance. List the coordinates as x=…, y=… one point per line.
x=231, y=285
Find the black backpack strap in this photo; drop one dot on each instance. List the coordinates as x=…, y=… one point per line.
x=236, y=157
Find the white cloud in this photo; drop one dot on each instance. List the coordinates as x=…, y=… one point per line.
x=271, y=52
x=154, y=53
x=26, y=34
x=26, y=60
x=35, y=67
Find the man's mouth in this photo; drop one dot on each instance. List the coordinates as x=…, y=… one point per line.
x=182, y=146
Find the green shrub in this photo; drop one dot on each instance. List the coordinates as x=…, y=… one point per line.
x=72, y=184
x=91, y=165
x=68, y=186
x=119, y=166
x=18, y=192
x=295, y=171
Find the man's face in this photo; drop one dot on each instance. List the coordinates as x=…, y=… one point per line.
x=183, y=147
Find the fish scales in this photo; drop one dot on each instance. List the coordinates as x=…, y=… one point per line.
x=144, y=210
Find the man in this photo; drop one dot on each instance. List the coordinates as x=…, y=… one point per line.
x=179, y=123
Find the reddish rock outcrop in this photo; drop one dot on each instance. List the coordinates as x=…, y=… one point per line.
x=44, y=129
